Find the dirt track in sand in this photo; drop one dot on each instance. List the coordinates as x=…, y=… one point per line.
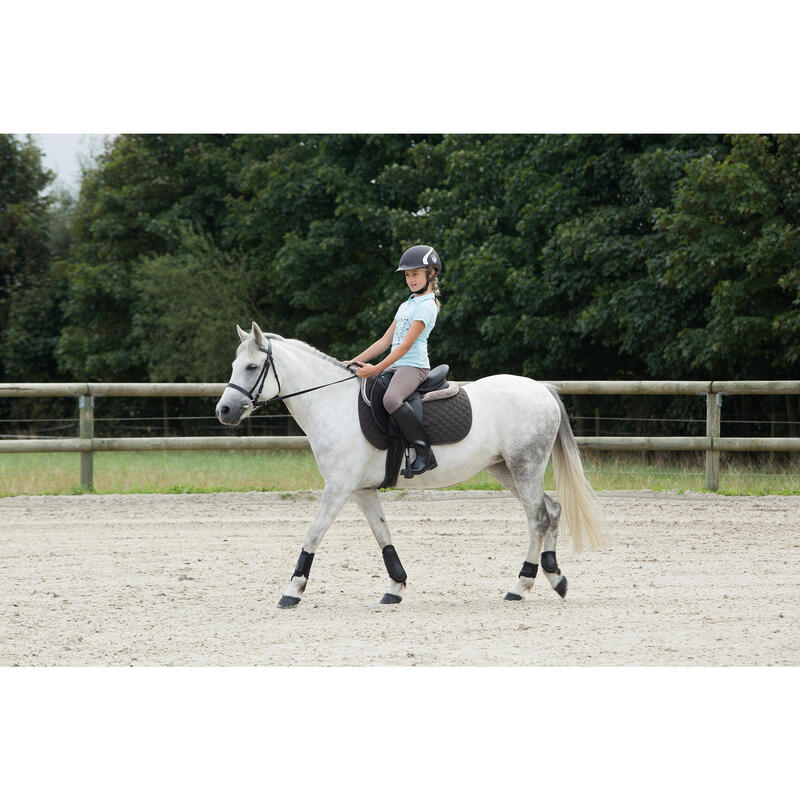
x=195, y=579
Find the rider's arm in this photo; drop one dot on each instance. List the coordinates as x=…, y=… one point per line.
x=417, y=326
x=381, y=346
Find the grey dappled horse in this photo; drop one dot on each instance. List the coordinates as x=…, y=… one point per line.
x=517, y=424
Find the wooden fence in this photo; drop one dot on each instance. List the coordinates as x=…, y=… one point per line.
x=87, y=444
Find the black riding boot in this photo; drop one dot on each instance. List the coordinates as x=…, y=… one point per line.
x=415, y=435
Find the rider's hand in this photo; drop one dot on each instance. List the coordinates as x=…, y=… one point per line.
x=367, y=371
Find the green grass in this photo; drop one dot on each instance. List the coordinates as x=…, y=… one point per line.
x=220, y=471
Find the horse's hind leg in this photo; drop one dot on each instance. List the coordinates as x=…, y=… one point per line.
x=503, y=474
x=543, y=514
x=549, y=563
x=368, y=502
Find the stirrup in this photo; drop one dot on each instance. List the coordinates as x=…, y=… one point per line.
x=413, y=436
x=407, y=473
x=428, y=464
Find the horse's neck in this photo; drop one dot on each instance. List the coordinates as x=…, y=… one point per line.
x=299, y=370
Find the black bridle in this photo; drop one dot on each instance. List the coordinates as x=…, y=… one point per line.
x=258, y=386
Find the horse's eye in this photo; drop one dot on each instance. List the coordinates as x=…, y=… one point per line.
x=252, y=366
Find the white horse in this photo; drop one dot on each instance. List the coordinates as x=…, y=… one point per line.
x=517, y=424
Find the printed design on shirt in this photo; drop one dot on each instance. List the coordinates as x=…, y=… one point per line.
x=402, y=328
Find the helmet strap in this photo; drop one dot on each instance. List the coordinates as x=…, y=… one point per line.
x=423, y=289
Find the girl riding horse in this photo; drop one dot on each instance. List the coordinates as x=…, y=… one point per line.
x=408, y=360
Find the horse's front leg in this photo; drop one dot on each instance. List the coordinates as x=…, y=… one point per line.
x=369, y=503
x=333, y=498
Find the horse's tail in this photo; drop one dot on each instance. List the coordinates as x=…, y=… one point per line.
x=580, y=506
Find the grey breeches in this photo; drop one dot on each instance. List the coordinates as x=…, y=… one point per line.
x=404, y=381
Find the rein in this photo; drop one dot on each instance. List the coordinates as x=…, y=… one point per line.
x=258, y=386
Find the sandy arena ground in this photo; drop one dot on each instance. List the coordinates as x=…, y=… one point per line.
x=195, y=580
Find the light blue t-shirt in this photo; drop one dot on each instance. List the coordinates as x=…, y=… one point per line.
x=422, y=308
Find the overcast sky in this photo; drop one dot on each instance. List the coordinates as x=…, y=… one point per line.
x=62, y=151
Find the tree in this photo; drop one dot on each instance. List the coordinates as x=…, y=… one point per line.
x=545, y=240
x=605, y=264
x=187, y=305
x=24, y=262
x=734, y=236
x=133, y=206
x=570, y=256
x=316, y=218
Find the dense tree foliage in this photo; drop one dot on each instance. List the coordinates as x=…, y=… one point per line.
x=25, y=292
x=586, y=256
x=136, y=206
x=733, y=251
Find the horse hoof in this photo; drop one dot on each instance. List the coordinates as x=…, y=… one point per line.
x=512, y=596
x=287, y=601
x=561, y=587
x=390, y=598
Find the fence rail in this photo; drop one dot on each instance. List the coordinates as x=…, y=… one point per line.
x=87, y=444
x=564, y=387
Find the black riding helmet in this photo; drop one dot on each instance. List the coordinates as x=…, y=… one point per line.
x=421, y=256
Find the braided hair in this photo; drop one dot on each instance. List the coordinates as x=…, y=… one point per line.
x=436, y=291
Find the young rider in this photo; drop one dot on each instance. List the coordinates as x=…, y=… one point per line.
x=408, y=359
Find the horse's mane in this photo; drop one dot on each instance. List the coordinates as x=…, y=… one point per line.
x=249, y=344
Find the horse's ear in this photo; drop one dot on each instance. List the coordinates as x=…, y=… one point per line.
x=242, y=334
x=256, y=333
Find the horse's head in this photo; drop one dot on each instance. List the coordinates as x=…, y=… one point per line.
x=251, y=378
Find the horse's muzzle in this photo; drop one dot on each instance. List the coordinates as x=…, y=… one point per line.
x=229, y=413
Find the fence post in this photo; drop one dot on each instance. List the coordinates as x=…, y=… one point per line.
x=86, y=406
x=713, y=415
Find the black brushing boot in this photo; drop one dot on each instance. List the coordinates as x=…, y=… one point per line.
x=415, y=435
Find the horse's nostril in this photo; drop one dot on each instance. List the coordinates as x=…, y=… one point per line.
x=225, y=410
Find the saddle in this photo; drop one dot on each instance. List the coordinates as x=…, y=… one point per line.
x=443, y=408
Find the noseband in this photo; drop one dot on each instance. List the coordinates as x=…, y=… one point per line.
x=258, y=386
